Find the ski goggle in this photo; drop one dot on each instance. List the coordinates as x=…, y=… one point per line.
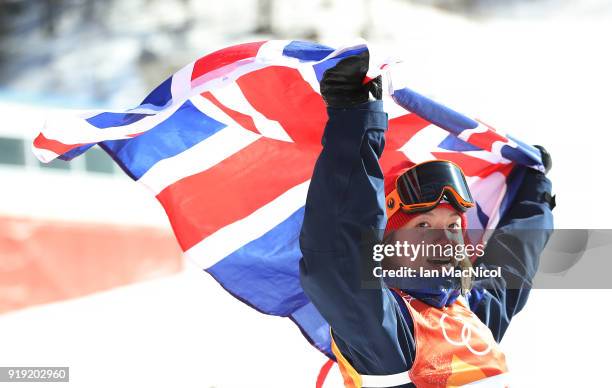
x=423, y=186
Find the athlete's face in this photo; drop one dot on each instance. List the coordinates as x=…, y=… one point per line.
x=438, y=227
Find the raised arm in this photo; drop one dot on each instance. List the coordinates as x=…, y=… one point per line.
x=515, y=246
x=346, y=199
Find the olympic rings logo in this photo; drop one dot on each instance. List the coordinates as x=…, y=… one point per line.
x=466, y=336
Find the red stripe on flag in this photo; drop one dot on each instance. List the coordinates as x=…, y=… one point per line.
x=281, y=94
x=53, y=145
x=473, y=166
x=224, y=57
x=486, y=139
x=201, y=204
x=245, y=121
x=401, y=130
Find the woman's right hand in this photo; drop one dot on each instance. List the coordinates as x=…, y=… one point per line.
x=342, y=85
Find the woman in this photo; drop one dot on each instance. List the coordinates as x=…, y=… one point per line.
x=419, y=334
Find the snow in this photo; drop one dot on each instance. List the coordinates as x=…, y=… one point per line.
x=182, y=331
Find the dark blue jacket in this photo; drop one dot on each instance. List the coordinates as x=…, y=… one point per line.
x=346, y=196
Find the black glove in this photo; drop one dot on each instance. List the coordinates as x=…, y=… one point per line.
x=547, y=162
x=342, y=85
x=546, y=159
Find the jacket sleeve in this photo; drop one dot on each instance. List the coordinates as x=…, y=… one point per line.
x=345, y=201
x=515, y=246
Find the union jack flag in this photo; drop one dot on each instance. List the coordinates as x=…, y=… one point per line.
x=228, y=144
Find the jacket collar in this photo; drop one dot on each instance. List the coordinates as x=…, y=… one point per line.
x=435, y=297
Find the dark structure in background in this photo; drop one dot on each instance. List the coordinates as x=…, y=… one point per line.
x=479, y=7
x=66, y=47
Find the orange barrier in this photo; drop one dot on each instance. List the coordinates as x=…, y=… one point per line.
x=45, y=261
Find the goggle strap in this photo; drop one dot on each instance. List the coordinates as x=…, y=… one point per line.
x=392, y=203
